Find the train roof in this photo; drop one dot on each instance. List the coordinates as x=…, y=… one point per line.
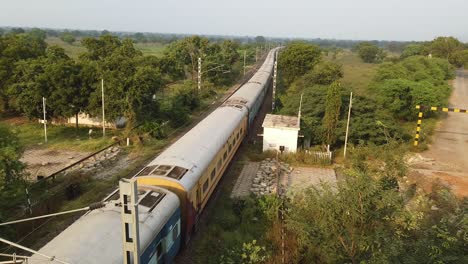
x=186, y=159
x=97, y=236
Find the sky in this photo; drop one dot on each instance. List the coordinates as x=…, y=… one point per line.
x=334, y=19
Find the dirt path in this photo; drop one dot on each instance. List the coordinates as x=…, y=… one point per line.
x=447, y=157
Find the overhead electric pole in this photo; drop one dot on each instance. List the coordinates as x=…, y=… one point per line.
x=256, y=54
x=199, y=74
x=245, y=53
x=45, y=120
x=275, y=72
x=130, y=226
x=347, y=125
x=103, y=113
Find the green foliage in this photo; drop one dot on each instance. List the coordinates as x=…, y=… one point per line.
x=54, y=76
x=459, y=58
x=251, y=253
x=218, y=60
x=416, y=80
x=10, y=153
x=325, y=73
x=269, y=206
x=67, y=37
x=130, y=81
x=15, y=48
x=297, y=59
x=332, y=112
x=444, y=47
x=349, y=223
x=154, y=129
x=363, y=219
x=414, y=50
x=370, y=53
x=182, y=103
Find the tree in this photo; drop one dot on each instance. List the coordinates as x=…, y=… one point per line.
x=332, y=113
x=444, y=47
x=15, y=48
x=297, y=59
x=356, y=221
x=130, y=80
x=370, y=53
x=187, y=51
x=54, y=76
x=414, y=50
x=260, y=39
x=10, y=153
x=324, y=73
x=459, y=58
x=67, y=37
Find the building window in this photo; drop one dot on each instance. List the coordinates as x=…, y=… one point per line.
x=205, y=186
x=213, y=173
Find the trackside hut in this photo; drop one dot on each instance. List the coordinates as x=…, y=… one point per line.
x=280, y=133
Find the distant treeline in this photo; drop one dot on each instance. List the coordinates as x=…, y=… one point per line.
x=165, y=38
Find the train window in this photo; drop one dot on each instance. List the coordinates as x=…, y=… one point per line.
x=159, y=250
x=213, y=173
x=175, y=232
x=205, y=186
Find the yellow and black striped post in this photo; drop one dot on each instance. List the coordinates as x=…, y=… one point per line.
x=432, y=108
x=418, y=127
x=447, y=109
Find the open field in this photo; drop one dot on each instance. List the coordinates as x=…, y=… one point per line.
x=72, y=50
x=357, y=74
x=31, y=135
x=75, y=49
x=154, y=49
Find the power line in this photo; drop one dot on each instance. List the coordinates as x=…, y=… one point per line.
x=53, y=258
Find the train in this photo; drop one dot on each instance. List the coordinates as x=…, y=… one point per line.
x=174, y=188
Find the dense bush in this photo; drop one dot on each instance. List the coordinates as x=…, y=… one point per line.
x=416, y=80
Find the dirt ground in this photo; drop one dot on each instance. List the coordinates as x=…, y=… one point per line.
x=44, y=162
x=446, y=160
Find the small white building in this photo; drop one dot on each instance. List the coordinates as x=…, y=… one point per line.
x=280, y=132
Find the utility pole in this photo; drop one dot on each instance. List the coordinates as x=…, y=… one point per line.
x=103, y=113
x=275, y=72
x=256, y=54
x=347, y=125
x=245, y=53
x=199, y=74
x=129, y=213
x=45, y=120
x=299, y=114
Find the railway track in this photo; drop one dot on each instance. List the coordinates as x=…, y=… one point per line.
x=178, y=133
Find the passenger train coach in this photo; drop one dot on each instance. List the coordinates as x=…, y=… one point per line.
x=174, y=188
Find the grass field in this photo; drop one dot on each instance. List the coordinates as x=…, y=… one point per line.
x=72, y=50
x=31, y=135
x=357, y=74
x=154, y=49
x=75, y=49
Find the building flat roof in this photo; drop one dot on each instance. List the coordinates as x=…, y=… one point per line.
x=281, y=121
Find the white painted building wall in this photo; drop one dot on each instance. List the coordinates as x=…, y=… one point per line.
x=273, y=138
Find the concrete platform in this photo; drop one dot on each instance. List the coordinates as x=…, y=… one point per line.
x=244, y=182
